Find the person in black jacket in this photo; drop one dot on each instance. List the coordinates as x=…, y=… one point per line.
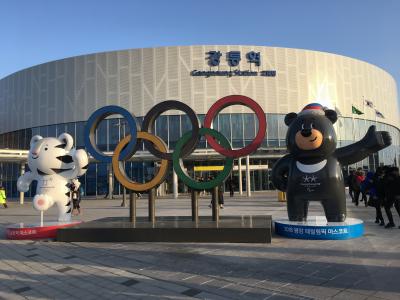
x=350, y=185
x=392, y=194
x=380, y=195
x=231, y=186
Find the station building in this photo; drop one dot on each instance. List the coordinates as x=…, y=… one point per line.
x=59, y=96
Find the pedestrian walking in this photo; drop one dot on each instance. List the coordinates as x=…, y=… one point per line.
x=3, y=197
x=369, y=185
x=221, y=196
x=350, y=185
x=380, y=195
x=357, y=179
x=392, y=194
x=231, y=187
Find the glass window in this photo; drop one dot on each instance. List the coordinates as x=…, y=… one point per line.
x=137, y=172
x=224, y=121
x=27, y=140
x=237, y=130
x=101, y=134
x=52, y=131
x=348, y=133
x=185, y=124
x=43, y=131
x=249, y=126
x=10, y=140
x=201, y=118
x=113, y=133
x=174, y=131
x=128, y=169
x=102, y=184
x=123, y=128
x=70, y=128
x=80, y=140
x=272, y=130
x=19, y=138
x=161, y=127
x=60, y=129
x=91, y=180
x=140, y=122
x=215, y=123
x=282, y=129
x=15, y=140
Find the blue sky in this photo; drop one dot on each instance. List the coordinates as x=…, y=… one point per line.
x=33, y=32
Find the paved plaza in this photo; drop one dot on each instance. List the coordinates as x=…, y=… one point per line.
x=364, y=268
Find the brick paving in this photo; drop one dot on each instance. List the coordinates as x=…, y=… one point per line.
x=364, y=268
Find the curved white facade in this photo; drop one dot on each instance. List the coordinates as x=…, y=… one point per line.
x=70, y=89
x=59, y=96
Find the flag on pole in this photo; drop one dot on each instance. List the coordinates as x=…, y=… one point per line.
x=369, y=103
x=356, y=111
x=379, y=114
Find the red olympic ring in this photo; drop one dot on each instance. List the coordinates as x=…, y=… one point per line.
x=234, y=100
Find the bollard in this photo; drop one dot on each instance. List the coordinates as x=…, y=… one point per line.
x=132, y=206
x=195, y=206
x=152, y=205
x=215, y=205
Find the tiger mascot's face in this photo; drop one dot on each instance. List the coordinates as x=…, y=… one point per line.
x=48, y=156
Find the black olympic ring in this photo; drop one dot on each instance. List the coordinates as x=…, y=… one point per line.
x=156, y=111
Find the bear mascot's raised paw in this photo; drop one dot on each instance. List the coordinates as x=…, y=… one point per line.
x=312, y=169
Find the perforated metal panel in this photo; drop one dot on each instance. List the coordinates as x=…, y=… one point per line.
x=71, y=89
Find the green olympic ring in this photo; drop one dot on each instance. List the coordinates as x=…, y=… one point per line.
x=178, y=162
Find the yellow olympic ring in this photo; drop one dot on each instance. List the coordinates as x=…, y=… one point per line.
x=119, y=170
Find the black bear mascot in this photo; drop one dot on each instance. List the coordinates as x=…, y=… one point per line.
x=312, y=169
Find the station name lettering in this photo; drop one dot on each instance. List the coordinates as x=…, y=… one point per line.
x=208, y=74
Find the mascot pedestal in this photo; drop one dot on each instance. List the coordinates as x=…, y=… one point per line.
x=312, y=170
x=54, y=164
x=47, y=230
x=317, y=228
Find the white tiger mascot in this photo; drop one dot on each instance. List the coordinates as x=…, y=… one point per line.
x=53, y=163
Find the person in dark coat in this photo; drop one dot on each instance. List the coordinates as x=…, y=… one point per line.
x=231, y=186
x=221, y=196
x=380, y=194
x=392, y=194
x=350, y=185
x=369, y=187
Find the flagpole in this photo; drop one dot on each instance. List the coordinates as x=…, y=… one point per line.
x=365, y=114
x=354, y=128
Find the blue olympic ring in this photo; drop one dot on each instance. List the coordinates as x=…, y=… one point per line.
x=93, y=122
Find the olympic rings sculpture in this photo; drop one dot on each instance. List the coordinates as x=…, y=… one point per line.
x=185, y=145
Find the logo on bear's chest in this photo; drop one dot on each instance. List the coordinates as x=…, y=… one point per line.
x=310, y=182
